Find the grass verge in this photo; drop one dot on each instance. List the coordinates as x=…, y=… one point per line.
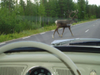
x=32, y=32
x=83, y=21
x=25, y=33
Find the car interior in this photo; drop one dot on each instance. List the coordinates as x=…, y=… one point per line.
x=35, y=58
x=49, y=37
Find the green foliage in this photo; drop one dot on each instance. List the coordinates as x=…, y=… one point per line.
x=10, y=22
x=8, y=3
x=7, y=21
x=81, y=8
x=86, y=17
x=41, y=10
x=93, y=16
x=16, y=17
x=30, y=32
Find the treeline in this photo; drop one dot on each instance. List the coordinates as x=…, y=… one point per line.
x=24, y=15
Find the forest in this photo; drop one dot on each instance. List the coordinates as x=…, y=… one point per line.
x=17, y=16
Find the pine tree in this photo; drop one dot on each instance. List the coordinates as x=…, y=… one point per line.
x=41, y=11
x=81, y=8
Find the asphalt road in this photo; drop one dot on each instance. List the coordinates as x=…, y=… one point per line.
x=84, y=30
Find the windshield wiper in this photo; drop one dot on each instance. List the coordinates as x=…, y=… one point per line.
x=90, y=43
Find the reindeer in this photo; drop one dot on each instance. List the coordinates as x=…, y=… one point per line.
x=65, y=24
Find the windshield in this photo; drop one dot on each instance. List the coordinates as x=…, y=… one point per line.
x=48, y=20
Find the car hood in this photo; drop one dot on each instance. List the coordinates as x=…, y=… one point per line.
x=67, y=41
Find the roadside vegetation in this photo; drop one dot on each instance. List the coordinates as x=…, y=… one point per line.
x=24, y=18
x=32, y=32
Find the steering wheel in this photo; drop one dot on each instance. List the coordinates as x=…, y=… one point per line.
x=66, y=60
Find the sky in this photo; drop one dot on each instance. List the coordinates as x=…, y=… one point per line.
x=97, y=2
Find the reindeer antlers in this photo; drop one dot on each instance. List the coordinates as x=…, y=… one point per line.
x=70, y=13
x=75, y=11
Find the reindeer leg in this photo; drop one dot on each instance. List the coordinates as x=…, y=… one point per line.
x=54, y=32
x=63, y=31
x=58, y=32
x=70, y=30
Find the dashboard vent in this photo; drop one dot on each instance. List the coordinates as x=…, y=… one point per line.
x=64, y=72
x=11, y=70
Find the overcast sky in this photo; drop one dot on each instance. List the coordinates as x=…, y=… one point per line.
x=97, y=2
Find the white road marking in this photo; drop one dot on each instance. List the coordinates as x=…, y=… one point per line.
x=2, y=43
x=42, y=33
x=87, y=30
x=25, y=37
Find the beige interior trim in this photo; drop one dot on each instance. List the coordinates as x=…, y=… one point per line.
x=58, y=53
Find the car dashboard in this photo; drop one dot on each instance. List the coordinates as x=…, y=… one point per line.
x=45, y=63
